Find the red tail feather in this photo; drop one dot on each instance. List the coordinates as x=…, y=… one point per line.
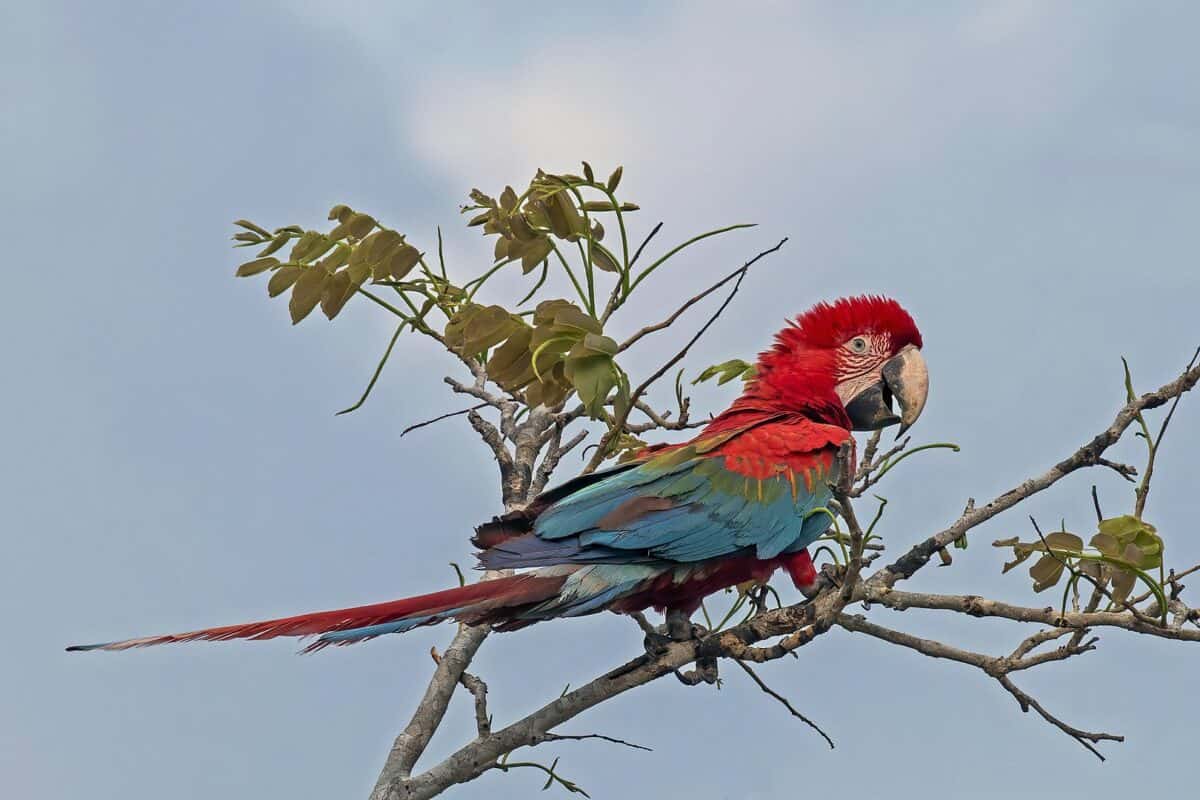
x=480, y=598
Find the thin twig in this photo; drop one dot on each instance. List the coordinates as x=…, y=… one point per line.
x=614, y=298
x=783, y=700
x=378, y=371
x=564, y=737
x=1085, y=738
x=602, y=451
x=441, y=417
x=666, y=323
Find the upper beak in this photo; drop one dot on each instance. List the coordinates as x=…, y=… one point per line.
x=904, y=377
x=908, y=378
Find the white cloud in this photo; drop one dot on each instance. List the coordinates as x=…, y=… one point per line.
x=706, y=93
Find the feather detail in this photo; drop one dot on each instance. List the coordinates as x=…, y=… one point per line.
x=475, y=599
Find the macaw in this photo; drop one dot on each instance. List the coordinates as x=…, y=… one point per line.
x=734, y=504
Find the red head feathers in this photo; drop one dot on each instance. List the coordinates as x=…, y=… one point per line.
x=829, y=325
x=819, y=360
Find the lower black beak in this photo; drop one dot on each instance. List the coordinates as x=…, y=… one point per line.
x=905, y=378
x=871, y=409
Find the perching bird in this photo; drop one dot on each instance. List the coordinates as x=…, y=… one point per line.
x=742, y=499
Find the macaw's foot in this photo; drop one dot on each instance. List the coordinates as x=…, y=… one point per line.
x=656, y=643
x=680, y=629
x=705, y=672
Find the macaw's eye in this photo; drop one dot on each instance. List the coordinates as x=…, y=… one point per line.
x=857, y=345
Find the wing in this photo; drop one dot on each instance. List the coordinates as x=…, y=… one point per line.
x=755, y=488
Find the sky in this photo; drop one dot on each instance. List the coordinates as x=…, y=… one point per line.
x=1023, y=176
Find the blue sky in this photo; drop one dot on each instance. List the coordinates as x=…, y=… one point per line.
x=1023, y=176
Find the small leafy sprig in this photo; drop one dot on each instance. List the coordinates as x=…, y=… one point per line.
x=540, y=356
x=1125, y=549
x=1122, y=552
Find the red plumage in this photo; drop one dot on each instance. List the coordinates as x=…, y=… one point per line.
x=517, y=590
x=827, y=325
x=788, y=424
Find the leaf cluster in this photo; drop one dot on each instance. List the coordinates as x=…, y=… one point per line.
x=542, y=356
x=564, y=350
x=329, y=268
x=1122, y=550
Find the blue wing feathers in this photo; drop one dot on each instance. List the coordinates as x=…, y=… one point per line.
x=712, y=511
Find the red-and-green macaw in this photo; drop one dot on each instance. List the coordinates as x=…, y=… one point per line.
x=736, y=503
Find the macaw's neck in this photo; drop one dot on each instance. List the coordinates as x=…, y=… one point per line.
x=755, y=404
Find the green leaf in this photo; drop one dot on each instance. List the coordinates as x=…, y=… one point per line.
x=1122, y=584
x=522, y=229
x=283, y=279
x=593, y=378
x=310, y=245
x=355, y=226
x=276, y=243
x=401, y=261
x=726, y=371
x=474, y=328
x=508, y=199
x=336, y=292
x=1021, y=551
x=1108, y=545
x=598, y=205
x=482, y=199
x=511, y=364
x=256, y=266
x=564, y=316
x=533, y=253
x=551, y=390
x=307, y=293
x=1046, y=572
x=250, y=226
x=603, y=260
x=595, y=343
x=614, y=180
x=1061, y=540
x=565, y=220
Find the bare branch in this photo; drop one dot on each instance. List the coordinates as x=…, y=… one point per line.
x=1143, y=489
x=997, y=668
x=1085, y=738
x=602, y=450
x=552, y=457
x=867, y=462
x=427, y=717
x=1086, y=456
x=976, y=606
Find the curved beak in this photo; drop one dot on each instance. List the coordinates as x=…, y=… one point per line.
x=904, y=377
x=908, y=378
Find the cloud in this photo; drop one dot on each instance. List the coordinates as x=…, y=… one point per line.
x=713, y=97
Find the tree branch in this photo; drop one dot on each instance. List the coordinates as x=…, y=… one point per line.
x=1086, y=456
x=996, y=667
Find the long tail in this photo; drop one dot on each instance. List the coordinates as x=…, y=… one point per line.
x=477, y=602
